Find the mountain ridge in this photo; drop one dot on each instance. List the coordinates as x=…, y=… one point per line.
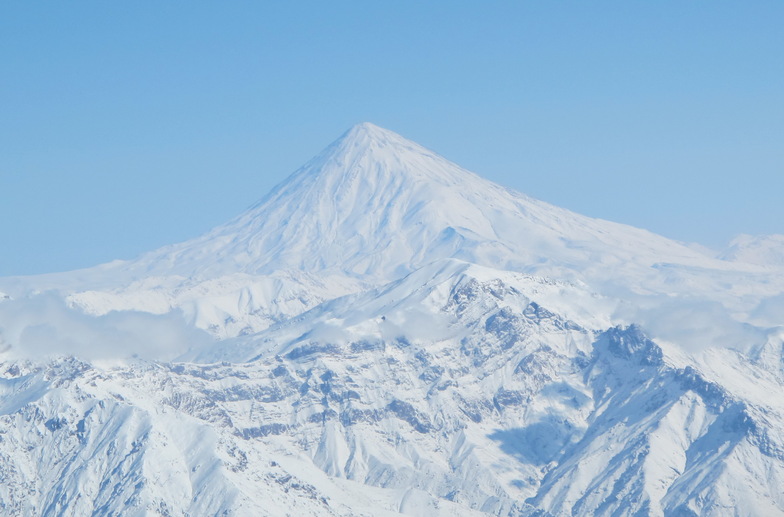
x=370, y=184
x=373, y=207
x=392, y=334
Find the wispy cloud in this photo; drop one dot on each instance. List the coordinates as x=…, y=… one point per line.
x=43, y=325
x=692, y=323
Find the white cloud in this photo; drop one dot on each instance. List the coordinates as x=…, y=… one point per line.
x=769, y=312
x=43, y=325
x=692, y=323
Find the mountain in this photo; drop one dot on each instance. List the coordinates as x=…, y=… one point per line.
x=392, y=334
x=376, y=205
x=373, y=207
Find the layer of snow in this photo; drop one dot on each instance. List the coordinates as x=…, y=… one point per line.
x=373, y=207
x=392, y=334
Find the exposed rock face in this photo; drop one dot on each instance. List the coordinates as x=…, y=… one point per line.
x=397, y=335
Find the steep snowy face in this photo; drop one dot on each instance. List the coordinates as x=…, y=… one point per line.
x=372, y=204
x=376, y=205
x=403, y=336
x=373, y=207
x=506, y=408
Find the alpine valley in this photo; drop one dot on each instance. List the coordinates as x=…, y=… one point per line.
x=387, y=333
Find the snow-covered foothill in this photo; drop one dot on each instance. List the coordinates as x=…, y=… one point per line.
x=387, y=333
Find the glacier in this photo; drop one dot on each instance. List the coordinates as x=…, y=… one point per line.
x=387, y=333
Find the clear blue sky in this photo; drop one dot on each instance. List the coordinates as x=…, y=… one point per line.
x=125, y=126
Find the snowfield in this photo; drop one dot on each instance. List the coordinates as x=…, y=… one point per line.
x=387, y=333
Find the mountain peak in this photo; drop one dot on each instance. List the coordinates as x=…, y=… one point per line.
x=366, y=132
x=369, y=140
x=375, y=205
x=370, y=131
x=377, y=156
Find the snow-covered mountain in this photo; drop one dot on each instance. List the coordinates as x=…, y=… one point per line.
x=394, y=334
x=373, y=207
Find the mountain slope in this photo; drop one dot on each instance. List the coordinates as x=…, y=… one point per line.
x=374, y=204
x=392, y=335
x=373, y=207
x=501, y=406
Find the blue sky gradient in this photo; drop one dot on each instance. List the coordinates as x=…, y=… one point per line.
x=125, y=126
